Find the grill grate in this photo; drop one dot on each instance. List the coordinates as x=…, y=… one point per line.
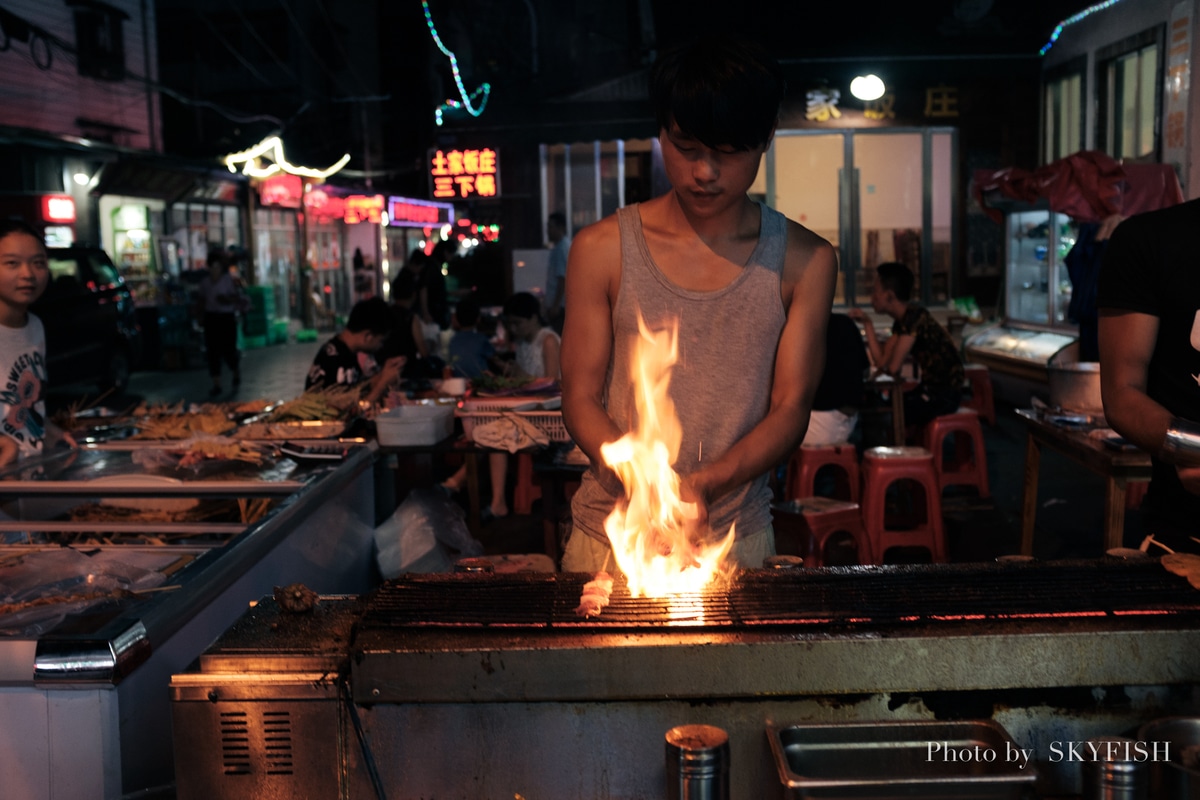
x=837, y=596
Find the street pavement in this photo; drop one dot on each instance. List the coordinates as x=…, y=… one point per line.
x=1070, y=512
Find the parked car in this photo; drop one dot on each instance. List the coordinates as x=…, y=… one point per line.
x=92, y=333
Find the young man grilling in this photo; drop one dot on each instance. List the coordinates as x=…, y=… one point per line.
x=751, y=292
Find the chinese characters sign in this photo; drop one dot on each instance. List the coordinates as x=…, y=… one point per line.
x=464, y=174
x=409, y=213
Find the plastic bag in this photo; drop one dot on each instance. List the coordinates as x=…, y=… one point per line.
x=427, y=533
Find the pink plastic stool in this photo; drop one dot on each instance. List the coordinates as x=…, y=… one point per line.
x=967, y=468
x=824, y=517
x=808, y=460
x=981, y=399
x=883, y=466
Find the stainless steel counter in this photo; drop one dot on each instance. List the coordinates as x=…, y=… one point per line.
x=84, y=708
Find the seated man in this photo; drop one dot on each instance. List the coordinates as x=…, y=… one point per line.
x=915, y=331
x=347, y=360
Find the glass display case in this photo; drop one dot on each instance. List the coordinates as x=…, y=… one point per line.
x=1037, y=287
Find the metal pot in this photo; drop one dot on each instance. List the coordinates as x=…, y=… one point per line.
x=1076, y=387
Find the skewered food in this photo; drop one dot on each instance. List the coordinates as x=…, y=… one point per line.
x=596, y=593
x=182, y=426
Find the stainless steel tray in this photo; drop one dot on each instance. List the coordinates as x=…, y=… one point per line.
x=1171, y=780
x=898, y=759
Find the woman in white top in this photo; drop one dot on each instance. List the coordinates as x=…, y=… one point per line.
x=537, y=349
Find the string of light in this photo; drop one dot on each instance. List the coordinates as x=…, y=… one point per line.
x=1071, y=20
x=484, y=89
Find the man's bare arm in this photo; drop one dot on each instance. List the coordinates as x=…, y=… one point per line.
x=1126, y=345
x=811, y=274
x=593, y=275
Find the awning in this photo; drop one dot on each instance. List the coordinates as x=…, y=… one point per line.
x=139, y=177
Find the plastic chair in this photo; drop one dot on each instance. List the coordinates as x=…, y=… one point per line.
x=884, y=466
x=824, y=518
x=969, y=466
x=808, y=460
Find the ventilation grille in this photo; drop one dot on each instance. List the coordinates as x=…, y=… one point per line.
x=258, y=743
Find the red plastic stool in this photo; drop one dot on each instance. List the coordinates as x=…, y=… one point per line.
x=824, y=517
x=883, y=466
x=808, y=460
x=527, y=489
x=967, y=468
x=981, y=399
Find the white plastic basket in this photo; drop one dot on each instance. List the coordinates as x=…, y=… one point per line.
x=550, y=422
x=414, y=425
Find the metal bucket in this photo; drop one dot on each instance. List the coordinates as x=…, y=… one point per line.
x=1075, y=386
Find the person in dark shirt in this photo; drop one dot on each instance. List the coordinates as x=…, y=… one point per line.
x=1149, y=330
x=347, y=360
x=914, y=332
x=840, y=393
x=470, y=348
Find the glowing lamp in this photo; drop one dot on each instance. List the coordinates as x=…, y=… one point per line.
x=867, y=87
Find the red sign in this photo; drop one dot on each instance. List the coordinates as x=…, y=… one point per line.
x=463, y=174
x=281, y=190
x=409, y=213
x=58, y=208
x=363, y=208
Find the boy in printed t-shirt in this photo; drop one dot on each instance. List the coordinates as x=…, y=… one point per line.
x=24, y=273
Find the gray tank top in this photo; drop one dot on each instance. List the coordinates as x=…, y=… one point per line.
x=721, y=384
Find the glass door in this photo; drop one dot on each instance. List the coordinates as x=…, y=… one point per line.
x=877, y=196
x=808, y=173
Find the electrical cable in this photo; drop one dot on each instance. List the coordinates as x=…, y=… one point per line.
x=233, y=52
x=368, y=756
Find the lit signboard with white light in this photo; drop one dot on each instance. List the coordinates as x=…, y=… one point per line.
x=464, y=174
x=405, y=212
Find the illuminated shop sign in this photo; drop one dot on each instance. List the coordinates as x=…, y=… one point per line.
x=463, y=174
x=363, y=208
x=58, y=208
x=281, y=190
x=408, y=213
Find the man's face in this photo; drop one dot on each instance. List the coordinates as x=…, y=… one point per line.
x=24, y=271
x=879, y=297
x=371, y=342
x=707, y=179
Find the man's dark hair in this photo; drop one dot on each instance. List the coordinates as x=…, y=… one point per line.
x=404, y=285
x=371, y=315
x=723, y=91
x=15, y=225
x=467, y=311
x=897, y=277
x=523, y=305
x=558, y=218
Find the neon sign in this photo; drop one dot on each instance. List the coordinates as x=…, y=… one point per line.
x=463, y=174
x=408, y=213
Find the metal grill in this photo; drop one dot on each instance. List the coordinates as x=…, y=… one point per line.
x=837, y=596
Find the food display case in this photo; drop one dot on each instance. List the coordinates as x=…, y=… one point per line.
x=119, y=567
x=1037, y=295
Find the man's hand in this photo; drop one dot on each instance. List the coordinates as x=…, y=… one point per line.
x=391, y=369
x=1190, y=478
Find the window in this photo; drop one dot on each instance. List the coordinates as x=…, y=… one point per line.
x=1062, y=119
x=1130, y=99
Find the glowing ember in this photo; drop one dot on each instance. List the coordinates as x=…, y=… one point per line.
x=650, y=531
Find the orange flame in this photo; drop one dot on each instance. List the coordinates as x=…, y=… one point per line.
x=649, y=531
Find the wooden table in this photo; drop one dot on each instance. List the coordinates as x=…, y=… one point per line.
x=1117, y=467
x=895, y=390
